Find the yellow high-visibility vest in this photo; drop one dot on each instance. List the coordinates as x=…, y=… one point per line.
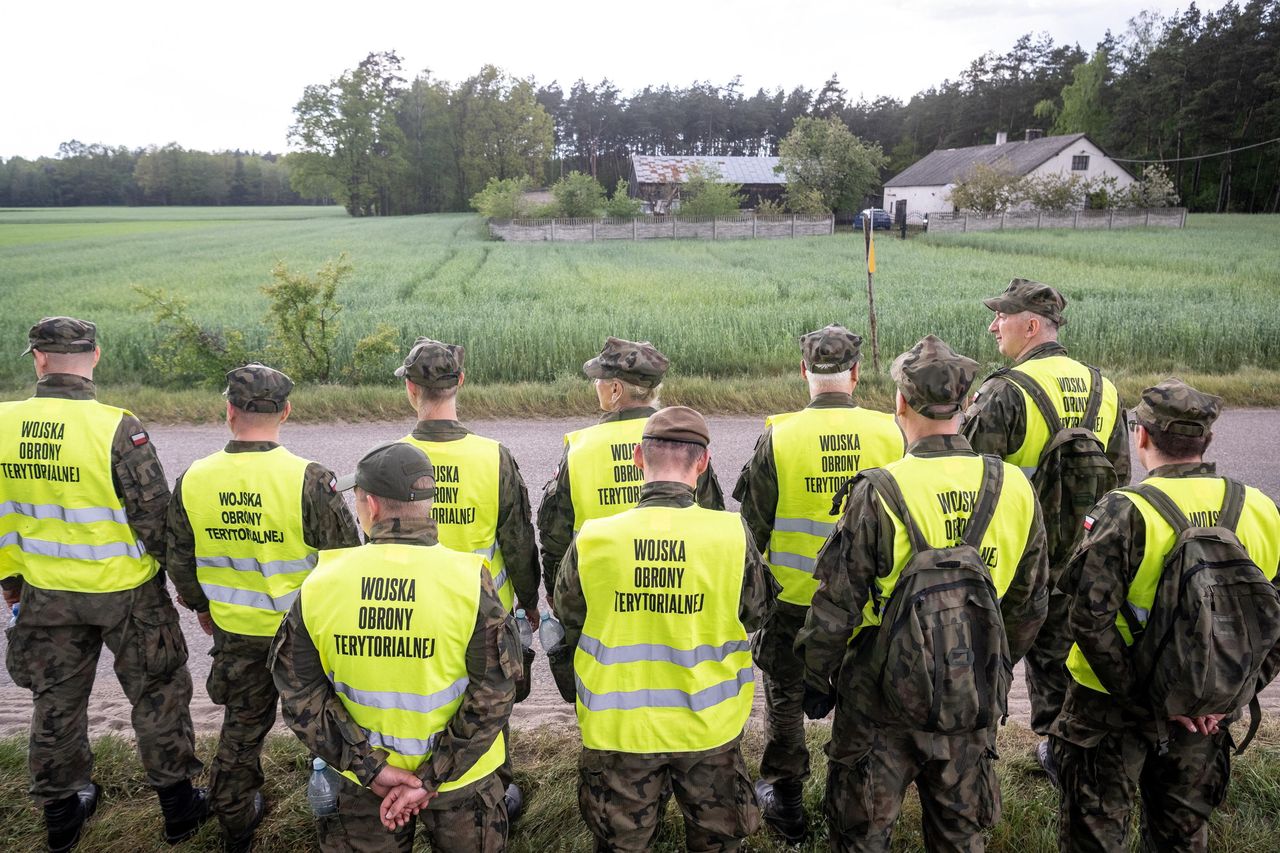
x=663, y=664
x=603, y=480
x=392, y=623
x=942, y=493
x=1258, y=531
x=466, y=502
x=245, y=511
x=62, y=525
x=1066, y=383
x=815, y=452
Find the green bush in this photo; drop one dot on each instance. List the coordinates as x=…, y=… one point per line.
x=703, y=194
x=187, y=352
x=501, y=199
x=578, y=195
x=303, y=311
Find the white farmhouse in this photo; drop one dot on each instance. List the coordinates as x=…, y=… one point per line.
x=925, y=186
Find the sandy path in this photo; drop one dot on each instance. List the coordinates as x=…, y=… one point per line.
x=1247, y=446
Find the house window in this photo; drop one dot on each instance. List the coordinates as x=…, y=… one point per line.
x=1080, y=163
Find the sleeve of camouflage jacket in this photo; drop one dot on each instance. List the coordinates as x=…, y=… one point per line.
x=493, y=662
x=1118, y=448
x=996, y=420
x=759, y=588
x=757, y=490
x=141, y=484
x=180, y=551
x=1271, y=665
x=1026, y=601
x=555, y=522
x=707, y=492
x=515, y=531
x=311, y=707
x=571, y=608
x=326, y=520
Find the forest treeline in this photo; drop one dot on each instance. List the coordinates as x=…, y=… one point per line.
x=1168, y=88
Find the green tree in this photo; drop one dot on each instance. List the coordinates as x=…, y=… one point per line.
x=704, y=194
x=304, y=317
x=500, y=130
x=987, y=189
x=1054, y=191
x=578, y=195
x=1084, y=99
x=823, y=157
x=622, y=205
x=502, y=199
x=1155, y=189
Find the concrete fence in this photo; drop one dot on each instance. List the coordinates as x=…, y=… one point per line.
x=1155, y=217
x=745, y=226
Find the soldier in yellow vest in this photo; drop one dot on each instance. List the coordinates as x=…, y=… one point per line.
x=596, y=478
x=657, y=602
x=244, y=528
x=81, y=541
x=1003, y=420
x=800, y=462
x=866, y=662
x=397, y=665
x=1107, y=741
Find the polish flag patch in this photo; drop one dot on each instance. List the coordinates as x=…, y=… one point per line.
x=1088, y=522
x=139, y=439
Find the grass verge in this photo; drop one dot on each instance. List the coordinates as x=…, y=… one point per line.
x=129, y=816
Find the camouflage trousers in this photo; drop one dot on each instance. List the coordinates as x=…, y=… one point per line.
x=240, y=681
x=53, y=652
x=470, y=820
x=872, y=765
x=786, y=756
x=623, y=796
x=1046, y=664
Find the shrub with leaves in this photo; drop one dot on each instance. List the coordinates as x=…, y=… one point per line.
x=987, y=189
x=189, y=353
x=1155, y=189
x=304, y=317
x=375, y=355
x=578, y=195
x=704, y=194
x=622, y=205
x=502, y=199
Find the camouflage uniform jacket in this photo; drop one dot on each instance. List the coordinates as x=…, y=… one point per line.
x=316, y=714
x=759, y=589
x=555, y=513
x=135, y=468
x=326, y=523
x=996, y=421
x=1098, y=579
x=860, y=550
x=515, y=521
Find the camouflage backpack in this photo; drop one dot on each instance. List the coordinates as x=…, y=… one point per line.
x=1073, y=472
x=940, y=653
x=1214, y=619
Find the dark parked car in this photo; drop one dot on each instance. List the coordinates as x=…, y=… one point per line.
x=880, y=220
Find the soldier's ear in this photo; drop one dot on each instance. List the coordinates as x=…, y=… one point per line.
x=97, y=354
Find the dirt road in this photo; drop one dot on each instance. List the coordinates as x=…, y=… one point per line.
x=1247, y=445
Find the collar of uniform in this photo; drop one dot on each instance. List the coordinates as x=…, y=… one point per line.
x=440, y=430
x=235, y=446
x=66, y=386
x=628, y=414
x=832, y=400
x=405, y=531
x=1044, y=350
x=1185, y=469
x=666, y=493
x=940, y=445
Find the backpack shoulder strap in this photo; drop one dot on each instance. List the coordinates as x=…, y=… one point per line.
x=891, y=493
x=1039, y=397
x=1163, y=504
x=988, y=496
x=1094, y=406
x=1232, y=505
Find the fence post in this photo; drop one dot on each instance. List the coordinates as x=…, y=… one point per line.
x=1039, y=215
x=1111, y=216
x=593, y=230
x=674, y=220
x=715, y=220
x=793, y=225
x=1147, y=222
x=964, y=227
x=635, y=230
x=1184, y=218
x=1075, y=219
x=753, y=226
x=831, y=229
x=553, y=230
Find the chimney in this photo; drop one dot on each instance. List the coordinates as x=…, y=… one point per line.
x=1034, y=133
x=1001, y=137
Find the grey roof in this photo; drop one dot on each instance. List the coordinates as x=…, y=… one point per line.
x=949, y=165
x=733, y=170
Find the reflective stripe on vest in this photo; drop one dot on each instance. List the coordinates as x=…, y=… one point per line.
x=603, y=481
x=942, y=493
x=815, y=451
x=245, y=511
x=663, y=664
x=62, y=525
x=400, y=684
x=466, y=502
x=1066, y=382
x=1258, y=531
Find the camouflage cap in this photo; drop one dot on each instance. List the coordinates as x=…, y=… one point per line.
x=391, y=470
x=637, y=362
x=62, y=334
x=432, y=364
x=831, y=349
x=1023, y=294
x=1175, y=407
x=934, y=378
x=257, y=388
x=678, y=423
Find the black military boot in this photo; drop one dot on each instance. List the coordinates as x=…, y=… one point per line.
x=242, y=842
x=64, y=819
x=185, y=810
x=783, y=808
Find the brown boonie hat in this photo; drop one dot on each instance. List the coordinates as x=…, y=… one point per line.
x=637, y=362
x=390, y=471
x=678, y=423
x=257, y=388
x=934, y=378
x=830, y=350
x=1023, y=294
x=62, y=334
x=432, y=364
x=1175, y=407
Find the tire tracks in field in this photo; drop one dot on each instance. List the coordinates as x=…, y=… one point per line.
x=406, y=290
x=468, y=277
x=572, y=266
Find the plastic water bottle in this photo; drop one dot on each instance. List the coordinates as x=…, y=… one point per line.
x=322, y=790
x=13, y=620
x=524, y=629
x=550, y=632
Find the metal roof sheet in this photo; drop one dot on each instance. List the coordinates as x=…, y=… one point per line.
x=733, y=170
x=949, y=165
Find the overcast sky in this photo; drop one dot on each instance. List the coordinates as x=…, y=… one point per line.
x=215, y=76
